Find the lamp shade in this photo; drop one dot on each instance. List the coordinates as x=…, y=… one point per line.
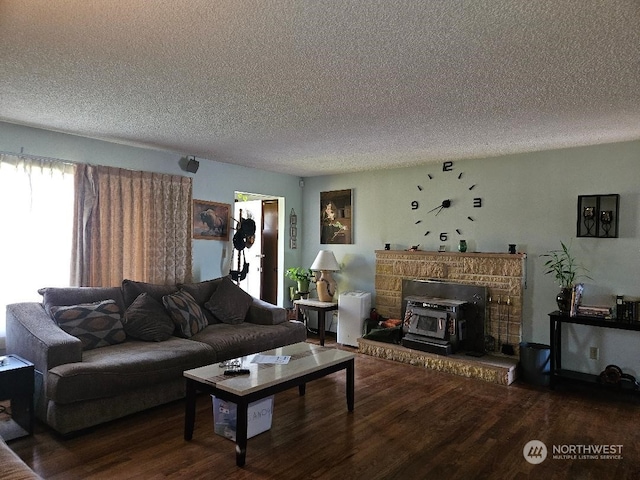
x=325, y=260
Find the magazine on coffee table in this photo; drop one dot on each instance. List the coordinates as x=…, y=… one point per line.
x=275, y=359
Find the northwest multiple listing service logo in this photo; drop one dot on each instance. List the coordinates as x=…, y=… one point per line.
x=536, y=452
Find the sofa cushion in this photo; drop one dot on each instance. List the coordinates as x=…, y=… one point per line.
x=95, y=324
x=201, y=293
x=131, y=289
x=147, y=320
x=264, y=313
x=77, y=295
x=229, y=303
x=186, y=314
x=231, y=341
x=123, y=368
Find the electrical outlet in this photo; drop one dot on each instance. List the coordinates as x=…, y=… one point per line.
x=594, y=353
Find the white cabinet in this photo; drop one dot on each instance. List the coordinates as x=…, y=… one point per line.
x=353, y=309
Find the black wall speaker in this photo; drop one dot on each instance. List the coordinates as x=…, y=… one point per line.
x=192, y=165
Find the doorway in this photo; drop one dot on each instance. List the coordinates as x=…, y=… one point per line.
x=265, y=256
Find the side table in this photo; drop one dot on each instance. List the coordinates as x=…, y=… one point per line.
x=318, y=306
x=17, y=385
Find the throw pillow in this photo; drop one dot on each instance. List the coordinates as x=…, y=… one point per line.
x=131, y=289
x=56, y=296
x=229, y=303
x=185, y=313
x=201, y=293
x=95, y=324
x=147, y=320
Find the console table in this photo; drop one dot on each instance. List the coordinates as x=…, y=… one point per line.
x=318, y=306
x=556, y=319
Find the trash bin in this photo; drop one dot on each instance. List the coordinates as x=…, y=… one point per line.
x=535, y=361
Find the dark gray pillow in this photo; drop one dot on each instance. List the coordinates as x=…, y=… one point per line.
x=95, y=324
x=147, y=320
x=229, y=303
x=131, y=289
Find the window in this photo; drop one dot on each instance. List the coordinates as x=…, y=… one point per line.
x=36, y=214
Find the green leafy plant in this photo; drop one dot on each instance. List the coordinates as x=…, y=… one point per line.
x=562, y=265
x=299, y=274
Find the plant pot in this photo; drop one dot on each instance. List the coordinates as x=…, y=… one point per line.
x=293, y=294
x=303, y=286
x=564, y=299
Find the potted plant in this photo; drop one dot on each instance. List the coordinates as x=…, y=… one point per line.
x=302, y=276
x=562, y=265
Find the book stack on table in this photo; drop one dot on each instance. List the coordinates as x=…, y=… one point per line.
x=596, y=311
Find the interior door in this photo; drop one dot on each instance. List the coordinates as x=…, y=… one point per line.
x=269, y=283
x=253, y=255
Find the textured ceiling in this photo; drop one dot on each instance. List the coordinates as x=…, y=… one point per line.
x=312, y=87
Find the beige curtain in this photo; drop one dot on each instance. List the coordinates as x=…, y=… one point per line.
x=131, y=224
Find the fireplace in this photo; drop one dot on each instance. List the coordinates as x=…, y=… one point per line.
x=502, y=275
x=435, y=325
x=443, y=318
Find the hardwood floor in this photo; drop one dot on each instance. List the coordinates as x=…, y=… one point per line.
x=408, y=423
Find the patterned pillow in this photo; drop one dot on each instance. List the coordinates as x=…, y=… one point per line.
x=95, y=324
x=185, y=313
x=201, y=293
x=147, y=320
x=229, y=303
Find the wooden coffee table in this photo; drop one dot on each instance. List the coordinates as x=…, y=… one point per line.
x=308, y=362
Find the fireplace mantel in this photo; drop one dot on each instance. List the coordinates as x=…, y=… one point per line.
x=503, y=274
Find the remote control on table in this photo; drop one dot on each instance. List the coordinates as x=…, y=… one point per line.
x=237, y=371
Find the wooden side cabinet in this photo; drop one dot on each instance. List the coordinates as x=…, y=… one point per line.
x=556, y=372
x=17, y=386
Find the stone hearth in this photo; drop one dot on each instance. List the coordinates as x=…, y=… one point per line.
x=501, y=370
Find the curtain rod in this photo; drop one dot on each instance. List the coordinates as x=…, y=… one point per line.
x=38, y=157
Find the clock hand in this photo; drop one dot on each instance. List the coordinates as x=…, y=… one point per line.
x=444, y=204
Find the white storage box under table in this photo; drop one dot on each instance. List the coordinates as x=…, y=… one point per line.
x=225, y=417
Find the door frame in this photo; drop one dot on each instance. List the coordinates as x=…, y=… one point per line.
x=282, y=300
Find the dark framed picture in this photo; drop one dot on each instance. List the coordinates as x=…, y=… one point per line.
x=336, y=217
x=211, y=220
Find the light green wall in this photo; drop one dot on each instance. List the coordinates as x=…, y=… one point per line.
x=214, y=181
x=529, y=200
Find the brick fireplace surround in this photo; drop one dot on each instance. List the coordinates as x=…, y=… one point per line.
x=504, y=276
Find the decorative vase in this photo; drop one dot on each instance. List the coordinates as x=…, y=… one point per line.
x=462, y=246
x=564, y=299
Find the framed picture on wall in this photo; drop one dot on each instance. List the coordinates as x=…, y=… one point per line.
x=211, y=220
x=336, y=217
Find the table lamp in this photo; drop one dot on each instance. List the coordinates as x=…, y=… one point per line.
x=325, y=263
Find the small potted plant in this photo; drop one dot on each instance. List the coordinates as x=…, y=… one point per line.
x=302, y=276
x=562, y=265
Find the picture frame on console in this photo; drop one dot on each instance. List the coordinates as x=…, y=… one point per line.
x=211, y=220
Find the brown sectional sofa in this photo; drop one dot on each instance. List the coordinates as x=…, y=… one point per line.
x=79, y=385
